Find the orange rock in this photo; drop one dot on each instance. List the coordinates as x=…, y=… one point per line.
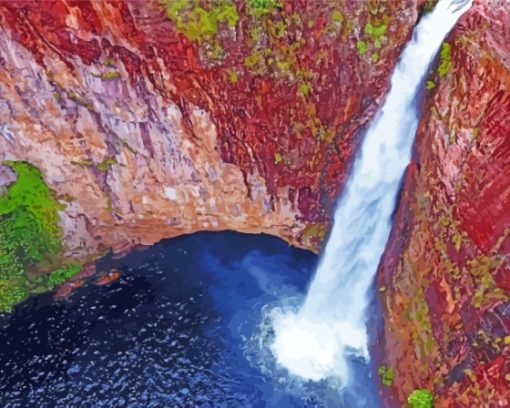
x=63, y=291
x=107, y=278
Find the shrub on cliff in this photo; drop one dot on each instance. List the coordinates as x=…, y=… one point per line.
x=420, y=399
x=387, y=375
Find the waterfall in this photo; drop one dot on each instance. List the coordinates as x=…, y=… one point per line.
x=317, y=341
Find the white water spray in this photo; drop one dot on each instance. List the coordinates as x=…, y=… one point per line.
x=315, y=343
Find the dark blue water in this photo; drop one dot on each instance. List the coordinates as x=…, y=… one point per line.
x=180, y=328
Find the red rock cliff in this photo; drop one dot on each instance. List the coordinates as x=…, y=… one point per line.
x=445, y=280
x=156, y=119
x=153, y=119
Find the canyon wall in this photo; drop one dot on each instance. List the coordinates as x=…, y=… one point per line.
x=147, y=120
x=153, y=119
x=445, y=280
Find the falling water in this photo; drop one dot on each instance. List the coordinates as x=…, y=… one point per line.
x=329, y=329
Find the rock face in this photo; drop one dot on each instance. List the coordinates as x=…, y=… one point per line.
x=153, y=119
x=151, y=125
x=445, y=279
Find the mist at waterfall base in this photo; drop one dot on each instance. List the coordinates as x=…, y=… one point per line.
x=319, y=339
x=180, y=328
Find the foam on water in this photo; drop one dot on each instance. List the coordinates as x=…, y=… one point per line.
x=317, y=341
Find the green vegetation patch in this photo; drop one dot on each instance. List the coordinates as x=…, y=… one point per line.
x=337, y=16
x=258, y=8
x=60, y=275
x=375, y=31
x=429, y=5
x=387, y=375
x=362, y=47
x=445, y=64
x=304, y=89
x=30, y=235
x=233, y=76
x=198, y=23
x=253, y=59
x=420, y=399
x=314, y=232
x=374, y=37
x=106, y=164
x=430, y=85
x=109, y=75
x=481, y=269
x=80, y=100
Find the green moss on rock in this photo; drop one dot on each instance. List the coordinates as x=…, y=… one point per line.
x=429, y=5
x=387, y=375
x=445, y=64
x=313, y=233
x=80, y=100
x=430, y=85
x=337, y=16
x=375, y=31
x=304, y=89
x=106, y=164
x=108, y=75
x=258, y=8
x=60, y=275
x=278, y=158
x=30, y=235
x=198, y=23
x=420, y=399
x=362, y=47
